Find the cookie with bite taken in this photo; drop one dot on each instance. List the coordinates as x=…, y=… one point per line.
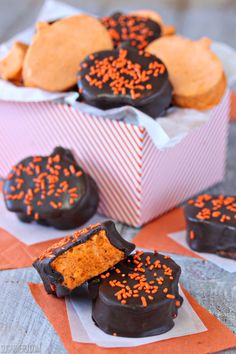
x=77, y=258
x=51, y=190
x=125, y=76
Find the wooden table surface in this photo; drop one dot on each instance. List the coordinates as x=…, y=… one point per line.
x=23, y=326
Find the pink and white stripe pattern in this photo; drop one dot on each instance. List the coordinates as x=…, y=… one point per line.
x=137, y=182
x=196, y=163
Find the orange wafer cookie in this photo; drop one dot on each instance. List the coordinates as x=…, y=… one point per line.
x=11, y=66
x=195, y=71
x=57, y=49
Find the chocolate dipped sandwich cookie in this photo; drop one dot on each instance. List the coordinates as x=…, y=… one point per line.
x=51, y=190
x=125, y=76
x=211, y=224
x=77, y=258
x=139, y=297
x=131, y=30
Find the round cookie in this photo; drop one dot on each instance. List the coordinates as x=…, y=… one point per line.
x=51, y=190
x=139, y=297
x=125, y=76
x=196, y=73
x=11, y=66
x=211, y=224
x=131, y=30
x=155, y=16
x=75, y=259
x=57, y=49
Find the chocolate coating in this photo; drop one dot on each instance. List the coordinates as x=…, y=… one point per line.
x=131, y=30
x=146, y=307
x=52, y=280
x=51, y=190
x=211, y=225
x=114, y=78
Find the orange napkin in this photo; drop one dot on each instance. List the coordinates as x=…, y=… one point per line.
x=218, y=337
x=154, y=234
x=233, y=107
x=16, y=254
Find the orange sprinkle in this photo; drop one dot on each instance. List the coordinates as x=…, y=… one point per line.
x=36, y=216
x=72, y=169
x=144, y=301
x=177, y=303
x=191, y=235
x=53, y=204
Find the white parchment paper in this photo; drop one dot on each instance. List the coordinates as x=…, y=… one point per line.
x=186, y=323
x=33, y=233
x=227, y=264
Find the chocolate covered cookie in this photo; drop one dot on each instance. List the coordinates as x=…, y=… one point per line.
x=211, y=224
x=115, y=78
x=75, y=259
x=51, y=190
x=131, y=30
x=139, y=297
x=166, y=30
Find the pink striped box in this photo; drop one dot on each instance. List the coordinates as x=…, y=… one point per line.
x=137, y=181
